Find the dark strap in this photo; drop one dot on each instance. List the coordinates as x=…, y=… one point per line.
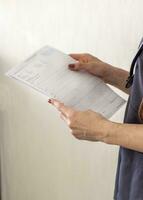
x=131, y=75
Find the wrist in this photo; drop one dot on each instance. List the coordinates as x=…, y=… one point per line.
x=112, y=136
x=108, y=72
x=111, y=132
x=105, y=132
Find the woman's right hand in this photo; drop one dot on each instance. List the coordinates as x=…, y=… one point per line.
x=90, y=64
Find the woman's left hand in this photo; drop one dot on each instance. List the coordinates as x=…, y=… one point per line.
x=84, y=125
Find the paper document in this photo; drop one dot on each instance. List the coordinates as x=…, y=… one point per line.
x=47, y=71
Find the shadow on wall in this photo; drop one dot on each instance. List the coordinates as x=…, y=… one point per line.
x=2, y=65
x=5, y=65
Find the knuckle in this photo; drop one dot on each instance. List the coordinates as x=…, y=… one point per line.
x=75, y=135
x=72, y=132
x=71, y=124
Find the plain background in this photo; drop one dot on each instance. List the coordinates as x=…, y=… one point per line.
x=39, y=157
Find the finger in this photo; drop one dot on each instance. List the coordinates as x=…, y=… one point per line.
x=66, y=110
x=78, y=134
x=63, y=117
x=76, y=56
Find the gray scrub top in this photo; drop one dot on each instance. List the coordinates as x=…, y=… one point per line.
x=129, y=178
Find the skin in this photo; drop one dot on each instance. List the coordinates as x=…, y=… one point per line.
x=91, y=126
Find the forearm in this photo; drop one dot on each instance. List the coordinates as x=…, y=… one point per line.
x=126, y=135
x=116, y=77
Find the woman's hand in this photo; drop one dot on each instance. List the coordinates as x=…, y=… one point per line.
x=90, y=64
x=84, y=125
x=109, y=74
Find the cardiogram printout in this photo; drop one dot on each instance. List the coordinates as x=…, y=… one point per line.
x=47, y=71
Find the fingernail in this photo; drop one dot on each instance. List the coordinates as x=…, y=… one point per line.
x=50, y=101
x=71, y=66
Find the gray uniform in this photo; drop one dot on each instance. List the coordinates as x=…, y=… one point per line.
x=129, y=178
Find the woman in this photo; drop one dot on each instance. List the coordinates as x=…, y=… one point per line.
x=89, y=125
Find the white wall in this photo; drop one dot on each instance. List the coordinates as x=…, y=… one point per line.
x=39, y=158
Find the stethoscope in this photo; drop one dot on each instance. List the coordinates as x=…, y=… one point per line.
x=131, y=74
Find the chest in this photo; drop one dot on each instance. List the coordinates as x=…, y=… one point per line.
x=134, y=111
